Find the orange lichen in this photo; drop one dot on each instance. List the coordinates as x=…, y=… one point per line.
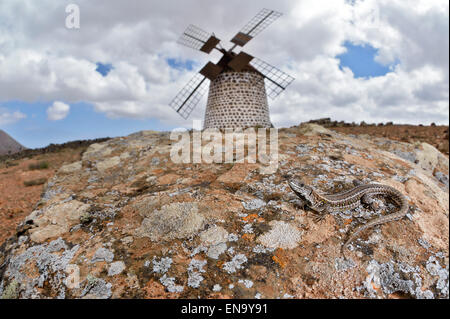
x=347, y=221
x=280, y=257
x=248, y=237
x=252, y=218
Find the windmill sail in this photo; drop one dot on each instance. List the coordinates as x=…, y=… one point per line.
x=256, y=25
x=276, y=80
x=198, y=39
x=186, y=100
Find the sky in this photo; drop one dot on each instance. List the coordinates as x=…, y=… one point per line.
x=359, y=60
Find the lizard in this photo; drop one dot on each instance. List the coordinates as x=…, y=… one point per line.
x=323, y=204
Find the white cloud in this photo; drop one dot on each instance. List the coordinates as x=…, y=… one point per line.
x=58, y=111
x=7, y=117
x=42, y=60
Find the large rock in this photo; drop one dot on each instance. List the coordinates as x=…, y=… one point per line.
x=429, y=158
x=177, y=220
x=127, y=222
x=56, y=220
x=282, y=235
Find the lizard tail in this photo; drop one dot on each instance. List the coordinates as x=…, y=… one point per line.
x=400, y=199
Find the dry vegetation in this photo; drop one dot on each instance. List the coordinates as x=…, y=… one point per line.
x=436, y=135
x=22, y=182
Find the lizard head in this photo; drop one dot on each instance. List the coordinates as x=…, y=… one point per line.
x=303, y=191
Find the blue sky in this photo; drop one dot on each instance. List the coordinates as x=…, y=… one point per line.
x=104, y=68
x=361, y=60
x=180, y=64
x=81, y=123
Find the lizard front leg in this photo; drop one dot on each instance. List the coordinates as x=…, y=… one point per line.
x=319, y=216
x=320, y=212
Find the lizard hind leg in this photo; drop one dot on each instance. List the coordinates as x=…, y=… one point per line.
x=368, y=200
x=319, y=216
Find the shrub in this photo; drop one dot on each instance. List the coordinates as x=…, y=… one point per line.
x=39, y=165
x=34, y=182
x=10, y=164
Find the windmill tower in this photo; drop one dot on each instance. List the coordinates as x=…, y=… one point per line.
x=239, y=82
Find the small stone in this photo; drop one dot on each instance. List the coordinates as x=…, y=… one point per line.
x=214, y=236
x=103, y=254
x=70, y=168
x=282, y=235
x=254, y=204
x=116, y=268
x=176, y=220
x=108, y=163
x=215, y=251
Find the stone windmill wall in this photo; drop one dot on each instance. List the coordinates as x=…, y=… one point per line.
x=237, y=100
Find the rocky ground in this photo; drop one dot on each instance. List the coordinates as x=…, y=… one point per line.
x=435, y=135
x=125, y=221
x=16, y=199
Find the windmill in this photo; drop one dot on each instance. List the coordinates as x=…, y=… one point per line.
x=239, y=82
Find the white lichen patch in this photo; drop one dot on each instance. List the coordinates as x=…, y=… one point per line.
x=260, y=249
x=282, y=235
x=254, y=204
x=194, y=270
x=247, y=229
x=247, y=283
x=198, y=250
x=435, y=269
x=169, y=283
x=96, y=288
x=235, y=264
x=162, y=266
x=197, y=265
x=195, y=279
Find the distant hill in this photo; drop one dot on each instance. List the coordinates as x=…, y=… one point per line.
x=8, y=145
